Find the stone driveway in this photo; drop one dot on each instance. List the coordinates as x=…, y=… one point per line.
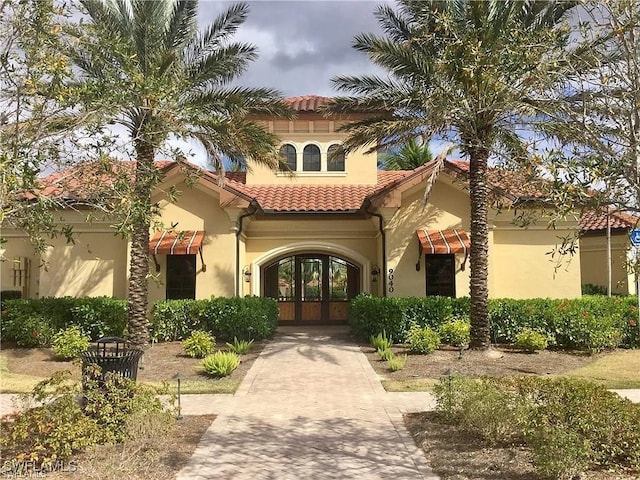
x=311, y=407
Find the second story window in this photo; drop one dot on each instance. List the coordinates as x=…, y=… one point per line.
x=335, y=158
x=288, y=157
x=311, y=159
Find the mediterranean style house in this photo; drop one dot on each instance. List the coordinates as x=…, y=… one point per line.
x=314, y=239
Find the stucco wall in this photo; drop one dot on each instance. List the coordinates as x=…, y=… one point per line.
x=360, y=168
x=352, y=239
x=519, y=266
x=95, y=265
x=448, y=208
x=199, y=210
x=18, y=245
x=593, y=262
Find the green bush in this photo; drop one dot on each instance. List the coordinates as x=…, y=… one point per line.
x=531, y=341
x=61, y=425
x=173, y=320
x=381, y=341
x=245, y=318
x=591, y=323
x=385, y=353
x=199, y=344
x=221, y=364
x=9, y=295
x=96, y=316
x=557, y=418
x=422, y=340
x=368, y=316
x=239, y=347
x=455, y=333
x=70, y=343
x=397, y=363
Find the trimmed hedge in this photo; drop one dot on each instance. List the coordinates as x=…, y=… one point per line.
x=33, y=322
x=589, y=323
x=225, y=318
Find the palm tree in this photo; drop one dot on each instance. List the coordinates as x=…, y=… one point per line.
x=472, y=71
x=410, y=155
x=145, y=66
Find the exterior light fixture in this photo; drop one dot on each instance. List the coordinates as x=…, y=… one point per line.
x=246, y=272
x=178, y=377
x=375, y=272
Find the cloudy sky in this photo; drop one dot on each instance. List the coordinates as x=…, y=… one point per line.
x=302, y=44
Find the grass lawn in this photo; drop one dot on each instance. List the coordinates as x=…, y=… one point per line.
x=615, y=369
x=618, y=369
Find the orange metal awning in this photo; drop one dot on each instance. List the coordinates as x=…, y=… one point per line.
x=170, y=242
x=444, y=241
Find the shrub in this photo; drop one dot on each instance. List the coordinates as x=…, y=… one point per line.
x=455, y=333
x=381, y=341
x=422, y=340
x=113, y=401
x=530, y=340
x=173, y=320
x=59, y=425
x=486, y=407
x=221, y=364
x=558, y=419
x=385, y=354
x=96, y=316
x=30, y=331
x=369, y=316
x=397, y=363
x=70, y=343
x=240, y=347
x=245, y=318
x=199, y=344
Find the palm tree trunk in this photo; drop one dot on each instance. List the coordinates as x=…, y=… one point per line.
x=479, y=256
x=138, y=323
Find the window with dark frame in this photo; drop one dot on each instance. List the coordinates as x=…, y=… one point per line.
x=181, y=277
x=288, y=156
x=440, y=275
x=311, y=158
x=335, y=158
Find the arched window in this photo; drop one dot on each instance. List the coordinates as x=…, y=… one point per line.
x=311, y=158
x=335, y=158
x=288, y=156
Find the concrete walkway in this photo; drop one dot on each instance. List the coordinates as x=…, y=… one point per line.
x=311, y=407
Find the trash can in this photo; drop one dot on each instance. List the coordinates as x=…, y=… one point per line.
x=112, y=354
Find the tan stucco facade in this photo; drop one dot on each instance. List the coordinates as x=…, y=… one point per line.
x=593, y=262
x=241, y=241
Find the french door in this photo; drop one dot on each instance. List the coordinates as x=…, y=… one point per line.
x=312, y=288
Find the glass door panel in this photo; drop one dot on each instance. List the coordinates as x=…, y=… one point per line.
x=311, y=288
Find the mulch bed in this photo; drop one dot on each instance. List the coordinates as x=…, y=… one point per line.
x=161, y=362
x=503, y=361
x=456, y=455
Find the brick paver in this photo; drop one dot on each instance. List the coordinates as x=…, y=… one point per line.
x=311, y=407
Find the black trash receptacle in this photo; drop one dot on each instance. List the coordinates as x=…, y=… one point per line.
x=112, y=354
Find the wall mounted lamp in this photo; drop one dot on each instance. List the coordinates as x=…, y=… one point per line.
x=246, y=272
x=375, y=273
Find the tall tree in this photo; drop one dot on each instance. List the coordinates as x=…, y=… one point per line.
x=408, y=156
x=145, y=66
x=469, y=70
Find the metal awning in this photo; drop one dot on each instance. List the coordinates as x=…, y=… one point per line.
x=444, y=241
x=172, y=242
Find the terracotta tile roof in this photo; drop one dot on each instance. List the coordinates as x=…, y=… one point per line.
x=597, y=220
x=87, y=180
x=516, y=186
x=296, y=198
x=307, y=103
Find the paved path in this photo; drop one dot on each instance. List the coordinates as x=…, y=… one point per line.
x=311, y=407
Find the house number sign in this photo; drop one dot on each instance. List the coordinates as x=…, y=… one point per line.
x=390, y=283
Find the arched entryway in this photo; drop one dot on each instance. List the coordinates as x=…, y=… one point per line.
x=311, y=288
